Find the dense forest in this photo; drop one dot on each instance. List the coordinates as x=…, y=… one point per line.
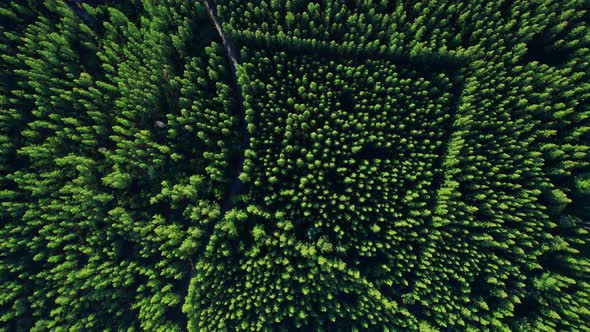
x=356, y=165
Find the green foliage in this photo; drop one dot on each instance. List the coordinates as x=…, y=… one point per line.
x=370, y=165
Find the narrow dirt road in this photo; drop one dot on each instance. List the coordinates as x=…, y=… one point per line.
x=230, y=50
x=236, y=185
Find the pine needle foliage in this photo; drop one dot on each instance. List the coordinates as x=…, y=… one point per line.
x=401, y=165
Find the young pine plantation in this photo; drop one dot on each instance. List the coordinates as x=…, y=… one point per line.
x=295, y=165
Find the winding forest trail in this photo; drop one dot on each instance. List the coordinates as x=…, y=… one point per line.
x=232, y=56
x=236, y=185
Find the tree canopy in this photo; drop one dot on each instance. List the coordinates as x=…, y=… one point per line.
x=369, y=165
